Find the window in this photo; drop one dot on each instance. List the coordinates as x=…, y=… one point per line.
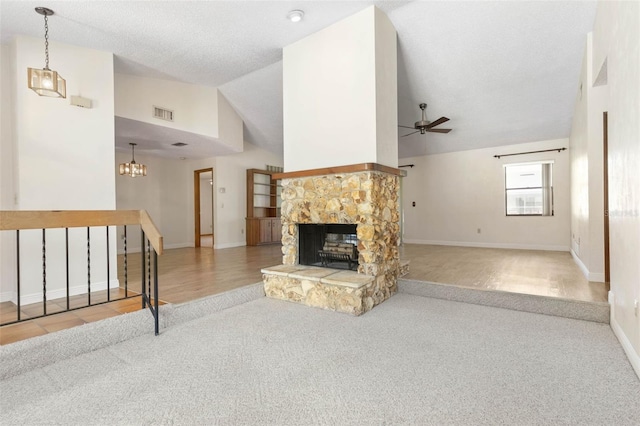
x=529, y=189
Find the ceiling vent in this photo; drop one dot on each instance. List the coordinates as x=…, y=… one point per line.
x=162, y=113
x=179, y=144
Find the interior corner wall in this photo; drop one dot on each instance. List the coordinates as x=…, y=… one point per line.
x=63, y=160
x=6, y=133
x=206, y=204
x=230, y=207
x=329, y=95
x=587, y=172
x=579, y=142
x=7, y=190
x=162, y=193
x=459, y=193
x=386, y=90
x=616, y=38
x=230, y=125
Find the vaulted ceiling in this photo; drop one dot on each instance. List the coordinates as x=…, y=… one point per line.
x=502, y=72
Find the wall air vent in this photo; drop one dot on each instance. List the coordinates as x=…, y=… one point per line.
x=162, y=113
x=179, y=144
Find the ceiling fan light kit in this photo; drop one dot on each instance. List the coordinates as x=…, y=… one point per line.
x=423, y=126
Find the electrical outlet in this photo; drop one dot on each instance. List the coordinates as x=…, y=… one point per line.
x=242, y=231
x=479, y=231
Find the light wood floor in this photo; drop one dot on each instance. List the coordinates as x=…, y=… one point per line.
x=543, y=273
x=187, y=274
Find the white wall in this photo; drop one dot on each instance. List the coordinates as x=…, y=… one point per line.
x=206, y=203
x=230, y=124
x=162, y=193
x=230, y=207
x=7, y=241
x=330, y=95
x=386, y=91
x=167, y=194
x=616, y=38
x=587, y=179
x=63, y=160
x=197, y=109
x=457, y=193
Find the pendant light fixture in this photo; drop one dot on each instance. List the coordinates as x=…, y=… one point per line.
x=44, y=81
x=133, y=169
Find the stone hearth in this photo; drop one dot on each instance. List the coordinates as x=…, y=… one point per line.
x=364, y=194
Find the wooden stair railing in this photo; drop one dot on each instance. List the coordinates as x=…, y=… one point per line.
x=15, y=220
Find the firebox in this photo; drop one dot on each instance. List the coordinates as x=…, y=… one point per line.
x=329, y=245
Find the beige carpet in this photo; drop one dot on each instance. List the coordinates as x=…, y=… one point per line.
x=412, y=360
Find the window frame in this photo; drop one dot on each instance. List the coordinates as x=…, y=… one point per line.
x=551, y=197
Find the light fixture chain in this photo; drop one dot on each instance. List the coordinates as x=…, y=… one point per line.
x=46, y=42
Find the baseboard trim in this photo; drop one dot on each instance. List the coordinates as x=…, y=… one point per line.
x=488, y=245
x=581, y=265
x=60, y=293
x=229, y=245
x=634, y=358
x=597, y=277
x=8, y=296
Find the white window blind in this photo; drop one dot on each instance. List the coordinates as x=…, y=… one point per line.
x=529, y=189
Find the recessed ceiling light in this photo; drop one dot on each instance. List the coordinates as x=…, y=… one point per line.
x=183, y=158
x=295, y=15
x=179, y=144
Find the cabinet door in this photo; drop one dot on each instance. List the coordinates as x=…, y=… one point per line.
x=265, y=230
x=253, y=231
x=276, y=230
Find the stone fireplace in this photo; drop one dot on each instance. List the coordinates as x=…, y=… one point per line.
x=340, y=147
x=365, y=195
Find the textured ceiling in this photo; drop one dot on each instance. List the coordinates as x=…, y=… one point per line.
x=503, y=72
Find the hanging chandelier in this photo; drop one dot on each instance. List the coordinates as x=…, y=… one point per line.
x=44, y=81
x=133, y=169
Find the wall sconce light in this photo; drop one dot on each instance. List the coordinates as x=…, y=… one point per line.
x=44, y=81
x=133, y=169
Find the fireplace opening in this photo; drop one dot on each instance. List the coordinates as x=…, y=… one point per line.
x=329, y=245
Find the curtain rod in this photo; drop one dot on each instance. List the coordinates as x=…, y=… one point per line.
x=531, y=152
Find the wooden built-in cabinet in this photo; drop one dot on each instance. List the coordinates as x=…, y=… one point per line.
x=263, y=208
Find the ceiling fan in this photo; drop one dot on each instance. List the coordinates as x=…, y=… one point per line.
x=424, y=126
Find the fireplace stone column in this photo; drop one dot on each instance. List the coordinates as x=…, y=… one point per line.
x=366, y=195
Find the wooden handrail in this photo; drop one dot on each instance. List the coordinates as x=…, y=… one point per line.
x=151, y=231
x=11, y=220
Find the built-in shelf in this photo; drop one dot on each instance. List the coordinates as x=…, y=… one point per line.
x=263, y=207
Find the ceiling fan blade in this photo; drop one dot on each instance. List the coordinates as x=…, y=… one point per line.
x=410, y=133
x=437, y=122
x=438, y=130
x=406, y=127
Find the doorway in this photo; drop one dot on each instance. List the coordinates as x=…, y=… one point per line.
x=605, y=157
x=203, y=207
